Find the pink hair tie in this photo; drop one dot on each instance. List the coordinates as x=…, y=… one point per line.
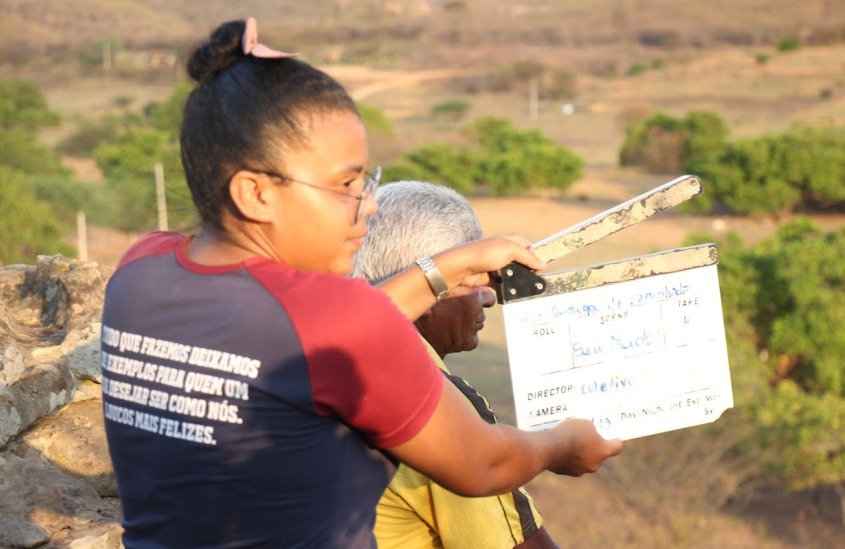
x=253, y=48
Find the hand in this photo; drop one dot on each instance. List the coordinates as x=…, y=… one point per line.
x=470, y=264
x=584, y=449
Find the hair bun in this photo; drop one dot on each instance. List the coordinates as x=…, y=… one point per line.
x=221, y=51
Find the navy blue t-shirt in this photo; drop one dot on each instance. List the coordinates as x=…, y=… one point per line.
x=245, y=404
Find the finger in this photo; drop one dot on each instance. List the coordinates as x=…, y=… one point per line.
x=518, y=239
x=527, y=258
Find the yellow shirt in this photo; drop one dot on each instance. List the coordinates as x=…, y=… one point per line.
x=415, y=512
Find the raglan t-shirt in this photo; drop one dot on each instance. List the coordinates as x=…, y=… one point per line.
x=245, y=405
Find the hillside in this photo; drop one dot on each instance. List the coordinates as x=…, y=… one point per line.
x=406, y=56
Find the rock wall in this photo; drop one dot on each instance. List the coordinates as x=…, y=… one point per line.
x=57, y=488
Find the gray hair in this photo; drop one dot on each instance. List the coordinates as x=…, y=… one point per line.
x=415, y=219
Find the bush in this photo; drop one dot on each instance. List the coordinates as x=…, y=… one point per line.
x=453, y=110
x=27, y=225
x=501, y=158
x=374, y=119
x=88, y=136
x=790, y=43
x=802, y=170
x=660, y=38
x=636, y=69
x=665, y=144
x=23, y=107
x=20, y=151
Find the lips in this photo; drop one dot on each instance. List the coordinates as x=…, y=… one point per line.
x=358, y=241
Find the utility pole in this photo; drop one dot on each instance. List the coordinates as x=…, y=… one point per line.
x=533, y=98
x=160, y=198
x=81, y=236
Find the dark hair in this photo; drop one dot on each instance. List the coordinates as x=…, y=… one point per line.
x=244, y=113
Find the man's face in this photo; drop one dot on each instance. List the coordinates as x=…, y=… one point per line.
x=452, y=325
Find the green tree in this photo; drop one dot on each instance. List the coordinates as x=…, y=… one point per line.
x=803, y=169
x=374, y=120
x=499, y=156
x=27, y=225
x=441, y=163
x=166, y=115
x=515, y=161
x=23, y=107
x=666, y=144
x=128, y=163
x=784, y=295
x=21, y=151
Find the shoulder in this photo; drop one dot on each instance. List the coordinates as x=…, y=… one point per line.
x=325, y=297
x=151, y=244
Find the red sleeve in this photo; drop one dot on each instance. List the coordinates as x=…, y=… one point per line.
x=366, y=361
x=155, y=243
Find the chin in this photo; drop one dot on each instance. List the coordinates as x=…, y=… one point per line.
x=342, y=267
x=470, y=344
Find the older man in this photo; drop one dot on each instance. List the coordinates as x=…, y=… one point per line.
x=415, y=220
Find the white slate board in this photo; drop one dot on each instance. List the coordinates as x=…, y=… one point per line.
x=637, y=357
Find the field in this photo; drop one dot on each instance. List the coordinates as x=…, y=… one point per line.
x=805, y=87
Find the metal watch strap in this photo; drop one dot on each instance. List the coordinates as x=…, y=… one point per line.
x=435, y=279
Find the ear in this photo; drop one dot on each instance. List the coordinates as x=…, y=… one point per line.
x=251, y=193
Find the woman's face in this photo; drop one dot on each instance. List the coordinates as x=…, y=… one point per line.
x=316, y=228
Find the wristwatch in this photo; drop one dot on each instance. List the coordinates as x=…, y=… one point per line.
x=435, y=279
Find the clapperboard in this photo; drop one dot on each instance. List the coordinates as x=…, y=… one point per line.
x=636, y=345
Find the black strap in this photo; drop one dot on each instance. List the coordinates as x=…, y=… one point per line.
x=482, y=406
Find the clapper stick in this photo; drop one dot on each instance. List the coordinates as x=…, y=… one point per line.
x=519, y=282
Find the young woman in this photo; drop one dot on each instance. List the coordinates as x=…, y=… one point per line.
x=254, y=395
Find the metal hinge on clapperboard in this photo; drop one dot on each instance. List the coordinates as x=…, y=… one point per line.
x=637, y=345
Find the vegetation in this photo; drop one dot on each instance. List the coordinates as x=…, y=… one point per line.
x=785, y=294
x=799, y=171
x=802, y=170
x=27, y=224
x=453, y=110
x=664, y=144
x=499, y=158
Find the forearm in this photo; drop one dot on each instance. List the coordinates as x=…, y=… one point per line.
x=465, y=265
x=410, y=291
x=460, y=451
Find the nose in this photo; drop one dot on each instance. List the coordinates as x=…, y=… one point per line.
x=369, y=206
x=487, y=296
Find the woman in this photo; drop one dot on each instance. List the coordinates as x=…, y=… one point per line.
x=254, y=395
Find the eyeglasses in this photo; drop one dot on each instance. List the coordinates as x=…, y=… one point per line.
x=371, y=182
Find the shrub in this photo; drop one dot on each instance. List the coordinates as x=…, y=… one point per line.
x=27, y=225
x=88, y=136
x=789, y=43
x=374, y=119
x=665, y=144
x=501, y=158
x=636, y=69
x=453, y=110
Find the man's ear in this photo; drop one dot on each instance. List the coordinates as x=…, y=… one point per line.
x=250, y=194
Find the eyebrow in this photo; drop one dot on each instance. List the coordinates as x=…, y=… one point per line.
x=352, y=169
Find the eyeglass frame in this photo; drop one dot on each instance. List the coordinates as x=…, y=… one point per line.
x=371, y=183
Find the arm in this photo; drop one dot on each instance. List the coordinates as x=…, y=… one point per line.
x=465, y=265
x=460, y=451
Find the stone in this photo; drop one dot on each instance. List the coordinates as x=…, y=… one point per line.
x=57, y=487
